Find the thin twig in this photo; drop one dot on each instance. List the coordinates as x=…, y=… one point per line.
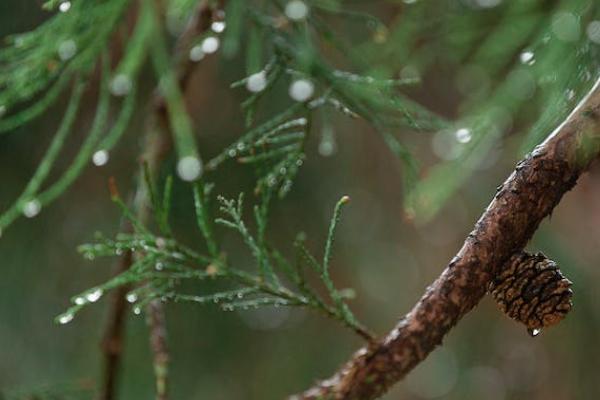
x=527, y=197
x=112, y=343
x=156, y=146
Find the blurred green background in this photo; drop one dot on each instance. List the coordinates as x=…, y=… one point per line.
x=267, y=354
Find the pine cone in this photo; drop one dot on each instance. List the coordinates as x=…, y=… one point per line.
x=532, y=290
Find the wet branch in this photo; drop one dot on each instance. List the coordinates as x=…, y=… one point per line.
x=155, y=147
x=528, y=196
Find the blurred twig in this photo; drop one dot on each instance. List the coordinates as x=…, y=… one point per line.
x=155, y=147
x=521, y=203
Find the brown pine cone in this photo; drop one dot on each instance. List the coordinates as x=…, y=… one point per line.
x=532, y=290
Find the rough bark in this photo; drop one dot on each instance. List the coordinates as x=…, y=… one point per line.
x=528, y=196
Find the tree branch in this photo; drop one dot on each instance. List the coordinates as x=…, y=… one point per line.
x=155, y=147
x=528, y=196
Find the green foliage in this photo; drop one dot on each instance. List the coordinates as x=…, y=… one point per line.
x=519, y=67
x=278, y=51
x=162, y=263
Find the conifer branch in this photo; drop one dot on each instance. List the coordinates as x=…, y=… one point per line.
x=156, y=146
x=527, y=197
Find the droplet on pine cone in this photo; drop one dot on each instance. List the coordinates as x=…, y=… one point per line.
x=532, y=290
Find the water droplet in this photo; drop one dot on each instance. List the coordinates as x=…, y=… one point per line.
x=328, y=144
x=32, y=208
x=565, y=26
x=64, y=6
x=159, y=266
x=18, y=41
x=257, y=82
x=240, y=295
x=196, y=53
x=137, y=310
x=593, y=31
x=410, y=72
x=210, y=44
x=296, y=10
x=131, y=297
x=570, y=94
x=218, y=26
x=80, y=301
x=67, y=49
x=65, y=318
x=120, y=85
x=232, y=153
x=488, y=3
x=301, y=90
x=527, y=57
x=160, y=243
x=94, y=296
x=534, y=332
x=119, y=251
x=100, y=158
x=445, y=146
x=189, y=168
x=463, y=135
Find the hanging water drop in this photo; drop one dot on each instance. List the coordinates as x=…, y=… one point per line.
x=196, y=53
x=32, y=208
x=218, y=26
x=131, y=297
x=257, y=82
x=65, y=318
x=534, y=332
x=159, y=266
x=100, y=158
x=488, y=3
x=296, y=10
x=67, y=49
x=210, y=45
x=565, y=26
x=593, y=31
x=120, y=85
x=328, y=143
x=94, y=296
x=301, y=90
x=64, y=6
x=189, y=168
x=137, y=310
x=463, y=135
x=80, y=301
x=527, y=57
